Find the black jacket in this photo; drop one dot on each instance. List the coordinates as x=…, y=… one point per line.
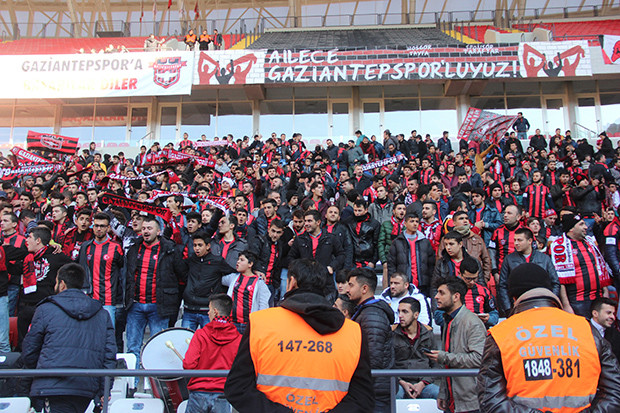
x=366, y=244
x=69, y=330
x=410, y=356
x=492, y=393
x=204, y=277
x=9, y=253
x=399, y=259
x=341, y=232
x=240, y=388
x=588, y=200
x=445, y=268
x=45, y=282
x=262, y=248
x=512, y=261
x=329, y=251
x=169, y=273
x=376, y=317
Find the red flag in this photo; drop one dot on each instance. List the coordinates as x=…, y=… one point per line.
x=481, y=124
x=196, y=11
x=48, y=142
x=169, y=3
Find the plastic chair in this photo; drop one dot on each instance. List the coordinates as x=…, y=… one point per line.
x=132, y=362
x=137, y=405
x=417, y=405
x=14, y=405
x=182, y=407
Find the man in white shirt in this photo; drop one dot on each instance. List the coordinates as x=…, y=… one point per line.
x=400, y=288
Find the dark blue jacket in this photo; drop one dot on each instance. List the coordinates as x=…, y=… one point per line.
x=69, y=330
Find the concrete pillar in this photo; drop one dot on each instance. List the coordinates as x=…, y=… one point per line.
x=255, y=117
x=462, y=105
x=356, y=110
x=570, y=114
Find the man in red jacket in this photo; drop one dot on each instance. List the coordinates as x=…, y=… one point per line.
x=213, y=347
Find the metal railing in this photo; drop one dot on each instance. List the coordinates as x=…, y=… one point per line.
x=108, y=374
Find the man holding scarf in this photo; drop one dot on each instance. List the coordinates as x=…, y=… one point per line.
x=580, y=265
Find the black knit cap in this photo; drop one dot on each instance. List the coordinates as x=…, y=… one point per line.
x=569, y=221
x=527, y=277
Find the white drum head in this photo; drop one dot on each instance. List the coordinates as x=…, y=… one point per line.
x=157, y=356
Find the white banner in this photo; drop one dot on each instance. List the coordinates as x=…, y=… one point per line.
x=230, y=67
x=97, y=75
x=611, y=48
x=555, y=59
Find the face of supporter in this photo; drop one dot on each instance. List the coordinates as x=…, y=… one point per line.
x=534, y=226
x=81, y=200
x=31, y=243
x=24, y=202
x=406, y=316
x=550, y=221
x=496, y=193
x=276, y=197
x=381, y=192
x=310, y=224
x=356, y=290
x=398, y=286
x=58, y=214
x=269, y=210
x=536, y=177
x=427, y=212
x=343, y=288
x=445, y=300
x=243, y=264
x=6, y=224
x=332, y=215
x=36, y=192
x=412, y=225
x=511, y=215
x=83, y=222
x=476, y=199
x=434, y=193
x=192, y=225
x=224, y=225
x=605, y=316
x=522, y=244
x=298, y=224
x=462, y=179
x=150, y=230
x=275, y=233
x=136, y=224
x=318, y=191
x=412, y=187
x=359, y=211
x=201, y=248
x=469, y=278
x=339, y=305
x=461, y=221
x=515, y=187
x=399, y=211
x=358, y=172
x=242, y=217
x=579, y=231
x=452, y=247
x=100, y=228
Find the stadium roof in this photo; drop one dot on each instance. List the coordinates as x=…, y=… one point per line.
x=83, y=18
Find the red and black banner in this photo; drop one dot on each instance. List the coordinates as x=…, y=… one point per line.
x=34, y=170
x=128, y=203
x=48, y=142
x=481, y=124
x=24, y=157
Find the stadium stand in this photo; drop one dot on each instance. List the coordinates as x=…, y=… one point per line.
x=477, y=32
x=585, y=30
x=352, y=38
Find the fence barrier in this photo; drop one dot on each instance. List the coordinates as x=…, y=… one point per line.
x=107, y=374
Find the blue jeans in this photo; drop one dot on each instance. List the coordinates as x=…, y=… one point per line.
x=206, y=402
x=5, y=345
x=194, y=320
x=430, y=391
x=283, y=276
x=137, y=317
x=111, y=309
x=521, y=135
x=13, y=292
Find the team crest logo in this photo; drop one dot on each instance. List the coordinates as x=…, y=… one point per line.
x=479, y=300
x=52, y=141
x=155, y=257
x=167, y=71
x=503, y=242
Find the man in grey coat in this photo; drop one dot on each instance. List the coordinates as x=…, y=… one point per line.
x=462, y=344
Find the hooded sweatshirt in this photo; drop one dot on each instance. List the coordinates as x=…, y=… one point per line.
x=213, y=347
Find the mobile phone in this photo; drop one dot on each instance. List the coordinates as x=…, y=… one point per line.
x=425, y=350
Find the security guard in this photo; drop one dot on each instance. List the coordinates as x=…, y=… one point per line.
x=543, y=358
x=303, y=356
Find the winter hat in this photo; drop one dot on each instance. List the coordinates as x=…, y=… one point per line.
x=569, y=221
x=527, y=277
x=580, y=177
x=229, y=181
x=550, y=213
x=493, y=186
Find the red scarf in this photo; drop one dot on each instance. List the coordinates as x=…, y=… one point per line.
x=30, y=273
x=397, y=227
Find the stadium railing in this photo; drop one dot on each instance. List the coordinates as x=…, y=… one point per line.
x=108, y=375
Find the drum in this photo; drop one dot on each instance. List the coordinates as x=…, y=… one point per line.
x=157, y=355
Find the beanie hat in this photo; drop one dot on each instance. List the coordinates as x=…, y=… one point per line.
x=580, y=177
x=527, y=277
x=569, y=221
x=466, y=187
x=493, y=186
x=550, y=213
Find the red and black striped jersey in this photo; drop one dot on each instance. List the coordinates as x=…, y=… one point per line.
x=146, y=273
x=104, y=261
x=587, y=284
x=534, y=199
x=503, y=241
x=242, y=295
x=73, y=241
x=479, y=299
x=425, y=175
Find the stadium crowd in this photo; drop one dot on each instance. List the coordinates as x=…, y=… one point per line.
x=159, y=235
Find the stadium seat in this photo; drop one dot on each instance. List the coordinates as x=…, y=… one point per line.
x=137, y=405
x=182, y=407
x=132, y=362
x=14, y=405
x=417, y=405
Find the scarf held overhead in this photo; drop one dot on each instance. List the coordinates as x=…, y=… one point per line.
x=136, y=205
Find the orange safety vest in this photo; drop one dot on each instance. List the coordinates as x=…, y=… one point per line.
x=298, y=367
x=190, y=38
x=550, y=360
